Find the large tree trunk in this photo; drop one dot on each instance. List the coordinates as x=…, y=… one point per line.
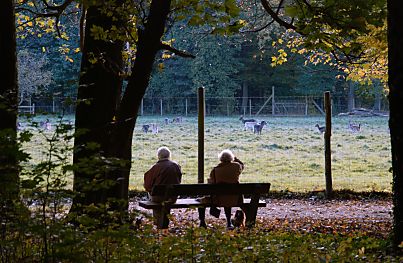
x=106, y=122
x=99, y=90
x=9, y=189
x=149, y=43
x=395, y=81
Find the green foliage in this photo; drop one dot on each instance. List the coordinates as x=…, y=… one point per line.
x=128, y=244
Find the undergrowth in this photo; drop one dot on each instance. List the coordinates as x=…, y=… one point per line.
x=126, y=243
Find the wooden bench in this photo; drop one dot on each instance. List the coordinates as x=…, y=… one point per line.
x=249, y=206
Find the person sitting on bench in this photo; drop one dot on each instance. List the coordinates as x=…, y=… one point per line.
x=164, y=171
x=227, y=172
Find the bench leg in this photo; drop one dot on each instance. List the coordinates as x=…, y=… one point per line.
x=250, y=214
x=202, y=216
x=160, y=216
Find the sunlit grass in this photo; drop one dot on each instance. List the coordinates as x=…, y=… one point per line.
x=289, y=153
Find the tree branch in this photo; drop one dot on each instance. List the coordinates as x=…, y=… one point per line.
x=180, y=53
x=258, y=29
x=275, y=16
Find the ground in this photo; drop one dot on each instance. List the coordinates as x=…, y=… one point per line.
x=368, y=217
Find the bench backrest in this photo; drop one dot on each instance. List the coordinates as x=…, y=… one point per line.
x=210, y=189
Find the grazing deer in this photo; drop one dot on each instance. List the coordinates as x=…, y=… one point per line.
x=354, y=127
x=259, y=127
x=321, y=129
x=246, y=120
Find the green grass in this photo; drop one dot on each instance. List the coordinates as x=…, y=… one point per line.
x=289, y=153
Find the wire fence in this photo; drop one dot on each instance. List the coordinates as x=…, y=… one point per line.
x=222, y=106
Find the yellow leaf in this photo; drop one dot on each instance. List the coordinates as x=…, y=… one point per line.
x=29, y=23
x=69, y=59
x=43, y=49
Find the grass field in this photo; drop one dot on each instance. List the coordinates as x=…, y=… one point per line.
x=289, y=153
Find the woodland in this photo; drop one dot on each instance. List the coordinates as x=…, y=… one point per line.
x=109, y=55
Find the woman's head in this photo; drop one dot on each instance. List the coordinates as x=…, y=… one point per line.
x=226, y=156
x=163, y=153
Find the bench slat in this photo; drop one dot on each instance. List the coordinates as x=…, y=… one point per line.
x=189, y=202
x=211, y=189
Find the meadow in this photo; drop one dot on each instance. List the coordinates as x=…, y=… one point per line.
x=289, y=153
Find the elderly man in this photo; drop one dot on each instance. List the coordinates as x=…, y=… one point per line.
x=164, y=171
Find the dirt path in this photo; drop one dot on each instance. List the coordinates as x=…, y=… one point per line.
x=371, y=217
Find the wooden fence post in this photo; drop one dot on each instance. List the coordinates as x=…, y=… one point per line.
x=161, y=106
x=201, y=113
x=306, y=105
x=328, y=154
x=186, y=107
x=273, y=102
x=53, y=105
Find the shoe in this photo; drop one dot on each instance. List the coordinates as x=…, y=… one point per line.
x=230, y=227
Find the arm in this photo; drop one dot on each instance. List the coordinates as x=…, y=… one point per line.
x=240, y=162
x=149, y=180
x=211, y=179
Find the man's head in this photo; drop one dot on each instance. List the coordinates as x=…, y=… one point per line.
x=163, y=153
x=226, y=156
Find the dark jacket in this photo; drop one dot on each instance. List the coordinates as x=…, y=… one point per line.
x=226, y=173
x=164, y=171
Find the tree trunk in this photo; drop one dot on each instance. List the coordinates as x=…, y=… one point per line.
x=98, y=93
x=351, y=96
x=100, y=119
x=395, y=82
x=148, y=45
x=378, y=96
x=9, y=189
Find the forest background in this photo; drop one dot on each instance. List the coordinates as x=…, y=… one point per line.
x=229, y=66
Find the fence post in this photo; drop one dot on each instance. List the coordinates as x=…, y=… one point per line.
x=33, y=109
x=53, y=104
x=142, y=107
x=161, y=107
x=306, y=105
x=186, y=107
x=328, y=154
x=273, y=102
x=201, y=113
x=227, y=109
x=250, y=107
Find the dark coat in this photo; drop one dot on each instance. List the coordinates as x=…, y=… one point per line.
x=226, y=173
x=163, y=172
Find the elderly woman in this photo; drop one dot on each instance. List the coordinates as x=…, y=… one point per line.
x=226, y=172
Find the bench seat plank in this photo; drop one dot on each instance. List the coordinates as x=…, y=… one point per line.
x=189, y=202
x=209, y=189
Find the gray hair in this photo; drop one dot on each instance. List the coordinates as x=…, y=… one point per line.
x=163, y=153
x=226, y=156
